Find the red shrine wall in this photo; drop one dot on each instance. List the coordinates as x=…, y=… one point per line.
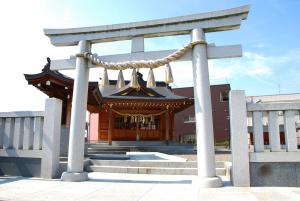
x=99, y=124
x=103, y=125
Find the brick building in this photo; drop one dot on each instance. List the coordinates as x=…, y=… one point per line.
x=184, y=127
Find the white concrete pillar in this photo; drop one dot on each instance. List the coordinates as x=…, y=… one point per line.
x=274, y=135
x=8, y=133
x=137, y=44
x=38, y=133
x=78, y=113
x=258, y=132
x=28, y=133
x=18, y=133
x=239, y=139
x=203, y=114
x=290, y=131
x=51, y=138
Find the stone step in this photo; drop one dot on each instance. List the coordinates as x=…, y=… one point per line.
x=108, y=157
x=165, y=164
x=138, y=147
x=92, y=152
x=129, y=163
x=120, y=151
x=149, y=170
x=144, y=143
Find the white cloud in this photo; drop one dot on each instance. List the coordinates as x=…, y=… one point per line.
x=251, y=64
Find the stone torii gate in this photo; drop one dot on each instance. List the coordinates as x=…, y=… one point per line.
x=196, y=25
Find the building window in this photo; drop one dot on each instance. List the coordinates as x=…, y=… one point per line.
x=189, y=119
x=189, y=139
x=224, y=96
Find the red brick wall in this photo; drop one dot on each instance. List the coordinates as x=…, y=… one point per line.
x=220, y=114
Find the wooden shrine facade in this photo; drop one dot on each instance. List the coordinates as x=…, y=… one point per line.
x=118, y=113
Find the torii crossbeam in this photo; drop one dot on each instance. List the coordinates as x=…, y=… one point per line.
x=196, y=25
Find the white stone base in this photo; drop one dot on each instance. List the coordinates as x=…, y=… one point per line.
x=74, y=176
x=210, y=182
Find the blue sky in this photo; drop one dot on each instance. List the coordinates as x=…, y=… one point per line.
x=269, y=38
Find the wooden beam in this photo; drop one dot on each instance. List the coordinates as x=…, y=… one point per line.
x=213, y=52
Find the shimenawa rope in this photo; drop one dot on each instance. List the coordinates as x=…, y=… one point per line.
x=95, y=59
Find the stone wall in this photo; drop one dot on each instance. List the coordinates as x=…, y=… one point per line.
x=27, y=167
x=285, y=174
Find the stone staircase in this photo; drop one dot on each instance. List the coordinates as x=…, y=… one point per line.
x=149, y=167
x=113, y=158
x=121, y=147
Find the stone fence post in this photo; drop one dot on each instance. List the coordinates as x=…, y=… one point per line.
x=51, y=138
x=239, y=138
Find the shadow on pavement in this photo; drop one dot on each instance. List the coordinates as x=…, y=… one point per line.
x=9, y=179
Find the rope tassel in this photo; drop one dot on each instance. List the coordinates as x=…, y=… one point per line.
x=151, y=80
x=105, y=80
x=134, y=80
x=168, y=75
x=120, y=82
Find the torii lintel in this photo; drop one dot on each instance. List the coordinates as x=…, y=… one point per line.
x=222, y=20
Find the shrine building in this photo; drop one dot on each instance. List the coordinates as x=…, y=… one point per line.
x=118, y=114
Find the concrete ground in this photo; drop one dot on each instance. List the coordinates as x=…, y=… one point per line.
x=193, y=157
x=133, y=187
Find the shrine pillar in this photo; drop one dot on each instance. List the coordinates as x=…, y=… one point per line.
x=167, y=127
x=203, y=114
x=109, y=136
x=78, y=113
x=138, y=137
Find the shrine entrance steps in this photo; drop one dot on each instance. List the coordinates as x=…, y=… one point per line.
x=121, y=147
x=118, y=158
x=150, y=167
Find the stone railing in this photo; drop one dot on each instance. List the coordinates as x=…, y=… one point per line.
x=257, y=164
x=276, y=113
x=32, y=136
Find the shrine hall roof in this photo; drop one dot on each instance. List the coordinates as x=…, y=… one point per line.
x=161, y=92
x=62, y=87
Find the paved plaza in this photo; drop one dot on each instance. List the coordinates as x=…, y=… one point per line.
x=133, y=187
